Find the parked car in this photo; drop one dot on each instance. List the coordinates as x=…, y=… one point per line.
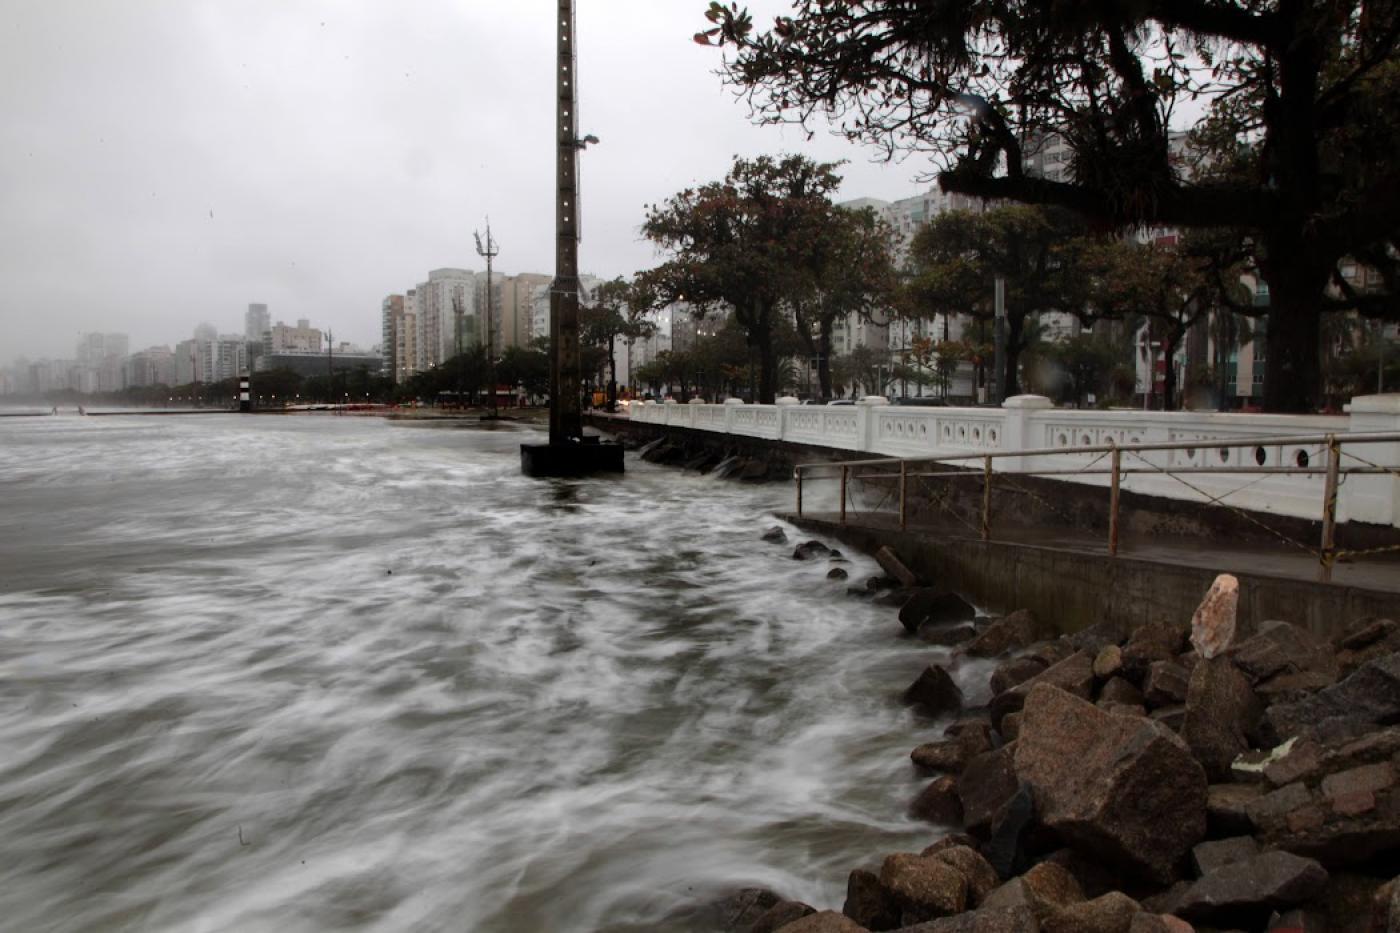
x=926, y=400
x=841, y=401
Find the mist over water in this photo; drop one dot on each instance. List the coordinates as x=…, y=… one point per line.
x=340, y=673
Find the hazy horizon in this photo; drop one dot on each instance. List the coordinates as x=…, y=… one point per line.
x=167, y=164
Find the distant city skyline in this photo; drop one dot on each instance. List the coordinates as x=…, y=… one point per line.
x=167, y=164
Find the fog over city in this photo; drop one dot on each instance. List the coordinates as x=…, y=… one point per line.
x=167, y=163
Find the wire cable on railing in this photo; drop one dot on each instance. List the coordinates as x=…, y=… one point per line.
x=943, y=501
x=1393, y=471
x=1218, y=500
x=885, y=498
x=1367, y=552
x=1032, y=494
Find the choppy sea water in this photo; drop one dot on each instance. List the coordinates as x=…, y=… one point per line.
x=315, y=673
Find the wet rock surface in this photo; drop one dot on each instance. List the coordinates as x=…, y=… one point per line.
x=1159, y=779
x=1247, y=891
x=1121, y=788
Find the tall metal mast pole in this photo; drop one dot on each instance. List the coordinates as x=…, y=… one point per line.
x=565, y=416
x=569, y=452
x=489, y=250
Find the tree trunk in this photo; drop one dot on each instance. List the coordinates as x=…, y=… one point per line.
x=767, y=359
x=1292, y=374
x=1292, y=365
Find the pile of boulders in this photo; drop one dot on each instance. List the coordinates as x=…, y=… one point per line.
x=1172, y=777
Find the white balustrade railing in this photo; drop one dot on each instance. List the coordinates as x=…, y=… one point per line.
x=1029, y=422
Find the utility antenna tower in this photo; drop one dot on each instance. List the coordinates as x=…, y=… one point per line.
x=565, y=415
x=569, y=452
x=490, y=250
x=458, y=317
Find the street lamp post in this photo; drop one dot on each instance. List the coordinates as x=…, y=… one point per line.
x=999, y=364
x=490, y=250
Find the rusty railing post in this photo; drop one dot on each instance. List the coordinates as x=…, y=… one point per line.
x=1328, y=554
x=903, y=498
x=845, y=470
x=1113, y=503
x=986, y=498
x=797, y=473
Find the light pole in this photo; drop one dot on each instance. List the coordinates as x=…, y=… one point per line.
x=1380, y=357
x=490, y=250
x=999, y=336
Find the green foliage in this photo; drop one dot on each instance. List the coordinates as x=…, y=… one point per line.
x=1071, y=370
x=957, y=257
x=852, y=272
x=1296, y=156
x=746, y=243
x=527, y=367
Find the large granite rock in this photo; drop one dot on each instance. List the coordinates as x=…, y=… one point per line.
x=1366, y=641
x=980, y=875
x=1221, y=713
x=1213, y=624
x=1161, y=641
x=1111, y=913
x=1016, y=671
x=1245, y=892
x=1217, y=853
x=1159, y=923
x=826, y=921
x=929, y=606
x=1120, y=690
x=984, y=787
x=780, y=915
x=1074, y=675
x=811, y=550
x=1283, y=648
x=934, y=692
x=1108, y=661
x=938, y=803
x=1227, y=808
x=988, y=920
x=1045, y=889
x=1017, y=630
x=1166, y=684
x=952, y=755
x=1370, y=695
x=868, y=903
x=924, y=887
x=734, y=910
x=1123, y=789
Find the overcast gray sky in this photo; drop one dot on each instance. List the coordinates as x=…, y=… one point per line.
x=166, y=162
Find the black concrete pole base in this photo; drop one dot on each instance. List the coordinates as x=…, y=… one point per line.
x=581, y=459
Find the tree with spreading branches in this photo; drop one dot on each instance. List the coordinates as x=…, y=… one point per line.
x=1296, y=152
x=852, y=272
x=957, y=257
x=744, y=243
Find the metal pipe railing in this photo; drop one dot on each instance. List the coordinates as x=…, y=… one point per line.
x=1333, y=471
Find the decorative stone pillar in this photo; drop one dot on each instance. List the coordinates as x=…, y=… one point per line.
x=1018, y=430
x=865, y=420
x=786, y=405
x=1374, y=499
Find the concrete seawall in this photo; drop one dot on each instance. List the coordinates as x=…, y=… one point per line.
x=1072, y=588
x=1184, y=546
x=1026, y=502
